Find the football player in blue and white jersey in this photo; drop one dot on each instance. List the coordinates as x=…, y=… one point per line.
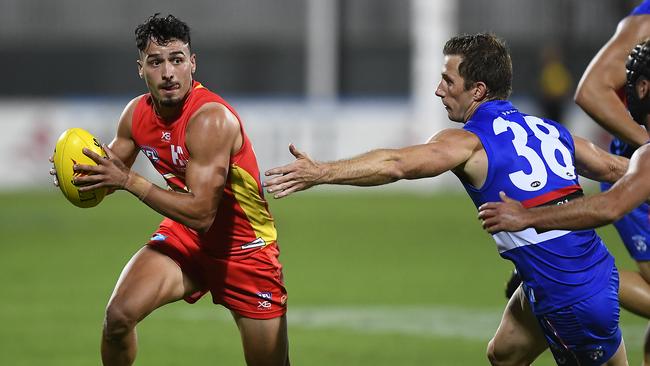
x=602, y=94
x=629, y=194
x=569, y=298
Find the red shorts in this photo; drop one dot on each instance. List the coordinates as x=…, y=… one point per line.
x=251, y=286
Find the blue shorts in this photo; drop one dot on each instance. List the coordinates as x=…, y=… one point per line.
x=634, y=230
x=585, y=333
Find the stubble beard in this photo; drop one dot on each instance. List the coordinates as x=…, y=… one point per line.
x=170, y=102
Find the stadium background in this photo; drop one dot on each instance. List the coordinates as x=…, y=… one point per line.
x=397, y=275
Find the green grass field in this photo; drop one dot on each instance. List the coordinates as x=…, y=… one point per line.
x=374, y=278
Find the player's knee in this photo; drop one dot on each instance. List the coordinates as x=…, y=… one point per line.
x=491, y=353
x=266, y=356
x=117, y=323
x=498, y=356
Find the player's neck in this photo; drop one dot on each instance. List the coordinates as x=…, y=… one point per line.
x=169, y=113
x=472, y=108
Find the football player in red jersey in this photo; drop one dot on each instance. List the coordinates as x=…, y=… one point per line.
x=218, y=235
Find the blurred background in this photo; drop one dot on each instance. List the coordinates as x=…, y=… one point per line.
x=318, y=73
x=335, y=77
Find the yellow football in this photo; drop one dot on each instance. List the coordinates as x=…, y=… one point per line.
x=67, y=153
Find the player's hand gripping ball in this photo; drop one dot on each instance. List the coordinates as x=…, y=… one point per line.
x=67, y=153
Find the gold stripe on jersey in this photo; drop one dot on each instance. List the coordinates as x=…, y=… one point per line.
x=172, y=186
x=245, y=189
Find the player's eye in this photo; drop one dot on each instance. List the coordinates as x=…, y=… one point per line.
x=177, y=60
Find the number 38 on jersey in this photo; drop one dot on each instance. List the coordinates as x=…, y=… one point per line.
x=551, y=149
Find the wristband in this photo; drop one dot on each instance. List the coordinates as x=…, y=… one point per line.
x=139, y=187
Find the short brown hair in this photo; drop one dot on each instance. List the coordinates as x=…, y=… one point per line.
x=485, y=58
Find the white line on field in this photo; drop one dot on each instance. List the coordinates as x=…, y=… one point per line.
x=408, y=320
x=424, y=321
x=427, y=321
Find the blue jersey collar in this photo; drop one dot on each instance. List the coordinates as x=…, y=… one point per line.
x=494, y=106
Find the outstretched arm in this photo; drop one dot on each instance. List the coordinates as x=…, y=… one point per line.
x=211, y=137
x=597, y=91
x=445, y=151
x=588, y=212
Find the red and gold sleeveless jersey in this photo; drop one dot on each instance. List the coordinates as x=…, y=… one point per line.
x=243, y=222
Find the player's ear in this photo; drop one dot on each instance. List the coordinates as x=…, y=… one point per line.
x=140, y=72
x=480, y=91
x=643, y=88
x=193, y=62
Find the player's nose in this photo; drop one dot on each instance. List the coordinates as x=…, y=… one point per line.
x=439, y=92
x=167, y=71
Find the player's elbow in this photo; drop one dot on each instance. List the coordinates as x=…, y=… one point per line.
x=580, y=96
x=202, y=221
x=204, y=225
x=589, y=90
x=394, y=173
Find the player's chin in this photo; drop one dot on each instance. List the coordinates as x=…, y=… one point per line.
x=170, y=101
x=453, y=117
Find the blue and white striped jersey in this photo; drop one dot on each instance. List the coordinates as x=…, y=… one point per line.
x=532, y=160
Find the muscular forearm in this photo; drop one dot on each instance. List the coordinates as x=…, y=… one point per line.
x=594, y=163
x=589, y=212
x=374, y=168
x=178, y=206
x=445, y=151
x=603, y=208
x=613, y=168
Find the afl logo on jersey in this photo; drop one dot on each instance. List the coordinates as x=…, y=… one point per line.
x=150, y=153
x=536, y=184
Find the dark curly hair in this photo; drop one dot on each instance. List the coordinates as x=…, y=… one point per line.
x=637, y=67
x=162, y=31
x=485, y=58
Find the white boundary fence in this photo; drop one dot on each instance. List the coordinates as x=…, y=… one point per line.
x=29, y=129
